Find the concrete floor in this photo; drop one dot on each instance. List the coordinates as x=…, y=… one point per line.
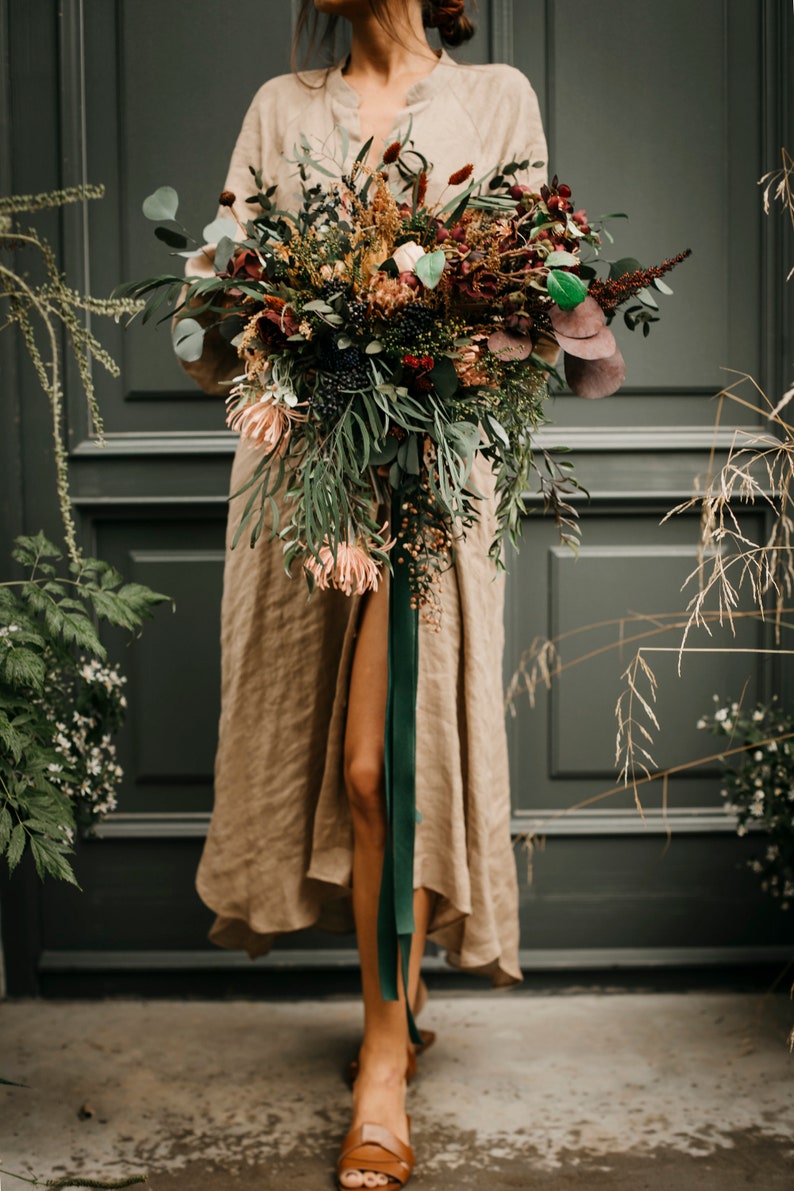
x=650, y=1092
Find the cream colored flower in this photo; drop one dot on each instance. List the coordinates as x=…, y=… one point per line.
x=406, y=256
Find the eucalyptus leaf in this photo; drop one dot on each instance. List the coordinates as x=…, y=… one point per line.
x=170, y=237
x=626, y=264
x=188, y=339
x=554, y=259
x=444, y=378
x=647, y=298
x=662, y=286
x=220, y=227
x=386, y=454
x=430, y=267
x=566, y=289
x=224, y=250
x=163, y=204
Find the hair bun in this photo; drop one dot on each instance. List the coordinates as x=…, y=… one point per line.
x=449, y=17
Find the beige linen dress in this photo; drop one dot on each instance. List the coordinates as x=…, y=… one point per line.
x=278, y=855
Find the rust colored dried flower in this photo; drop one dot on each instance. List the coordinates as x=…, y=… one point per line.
x=611, y=293
x=392, y=153
x=421, y=188
x=461, y=175
x=387, y=296
x=227, y=198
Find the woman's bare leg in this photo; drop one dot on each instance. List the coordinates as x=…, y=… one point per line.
x=379, y=1091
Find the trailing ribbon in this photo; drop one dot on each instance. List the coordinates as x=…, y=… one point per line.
x=396, y=902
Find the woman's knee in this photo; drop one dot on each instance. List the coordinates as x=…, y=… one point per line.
x=364, y=782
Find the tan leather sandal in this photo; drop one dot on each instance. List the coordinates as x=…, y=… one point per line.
x=375, y=1148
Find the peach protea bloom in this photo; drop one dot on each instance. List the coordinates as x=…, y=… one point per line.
x=387, y=296
x=263, y=408
x=355, y=570
x=265, y=422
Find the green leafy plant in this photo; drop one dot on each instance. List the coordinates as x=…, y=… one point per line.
x=758, y=785
x=60, y=701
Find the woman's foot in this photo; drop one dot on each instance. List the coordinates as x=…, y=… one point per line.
x=378, y=1099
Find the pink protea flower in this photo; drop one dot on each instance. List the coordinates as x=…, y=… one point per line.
x=266, y=422
x=263, y=423
x=355, y=570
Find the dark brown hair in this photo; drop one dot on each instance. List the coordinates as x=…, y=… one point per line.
x=448, y=16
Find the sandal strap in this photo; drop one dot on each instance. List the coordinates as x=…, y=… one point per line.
x=373, y=1147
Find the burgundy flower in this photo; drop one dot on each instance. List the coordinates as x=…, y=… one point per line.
x=518, y=321
x=418, y=377
x=274, y=326
x=580, y=218
x=479, y=284
x=246, y=265
x=556, y=196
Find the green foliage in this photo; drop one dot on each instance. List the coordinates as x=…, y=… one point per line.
x=566, y=289
x=758, y=785
x=47, y=312
x=60, y=702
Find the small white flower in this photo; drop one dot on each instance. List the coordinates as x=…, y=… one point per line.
x=721, y=715
x=702, y=723
x=758, y=715
x=758, y=756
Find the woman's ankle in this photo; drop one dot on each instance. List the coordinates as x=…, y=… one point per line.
x=384, y=1062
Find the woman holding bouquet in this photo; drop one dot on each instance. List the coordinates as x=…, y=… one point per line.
x=298, y=829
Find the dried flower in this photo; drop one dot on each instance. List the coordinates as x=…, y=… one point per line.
x=392, y=153
x=353, y=571
x=227, y=198
x=459, y=176
x=615, y=290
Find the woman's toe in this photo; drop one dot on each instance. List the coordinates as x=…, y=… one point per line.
x=352, y=1178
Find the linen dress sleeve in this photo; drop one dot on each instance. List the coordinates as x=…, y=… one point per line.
x=219, y=361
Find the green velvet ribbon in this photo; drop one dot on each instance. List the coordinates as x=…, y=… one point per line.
x=396, y=902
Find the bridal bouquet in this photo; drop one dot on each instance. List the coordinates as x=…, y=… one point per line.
x=385, y=343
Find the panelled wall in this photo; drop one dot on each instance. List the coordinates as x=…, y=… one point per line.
x=648, y=111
